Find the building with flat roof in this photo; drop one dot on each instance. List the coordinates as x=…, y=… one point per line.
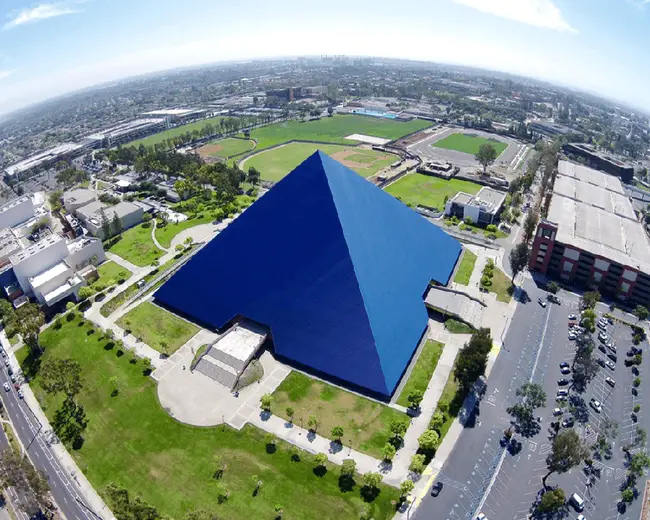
x=16, y=211
x=549, y=129
x=482, y=208
x=129, y=214
x=600, y=160
x=75, y=199
x=125, y=132
x=592, y=237
x=45, y=159
x=176, y=115
x=342, y=288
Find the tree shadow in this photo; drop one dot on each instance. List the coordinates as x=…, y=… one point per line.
x=271, y=448
x=335, y=446
x=346, y=483
x=311, y=436
x=369, y=494
x=579, y=409
x=320, y=472
x=119, y=352
x=32, y=364
x=90, y=332
x=109, y=345
x=265, y=415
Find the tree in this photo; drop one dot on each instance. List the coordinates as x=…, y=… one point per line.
x=472, y=358
x=116, y=225
x=530, y=223
x=266, y=401
x=627, y=495
x=519, y=257
x=372, y=480
x=61, y=376
x=85, y=292
x=115, y=385
x=106, y=225
x=405, y=488
x=532, y=396
x=257, y=482
x=388, y=451
x=589, y=299
x=125, y=508
x=337, y=433
x=330, y=111
x=348, y=468
x=397, y=428
x=312, y=423
x=567, y=451
x=55, y=200
x=290, y=413
x=415, y=398
x=641, y=313
x=553, y=287
x=552, y=500
x=30, y=484
x=320, y=460
x=270, y=439
x=220, y=467
x=253, y=176
x=428, y=440
x=486, y=155
x=585, y=364
x=607, y=433
x=29, y=320
x=417, y=463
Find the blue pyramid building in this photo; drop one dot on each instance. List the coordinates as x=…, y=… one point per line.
x=334, y=266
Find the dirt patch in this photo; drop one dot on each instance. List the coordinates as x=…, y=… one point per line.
x=343, y=158
x=209, y=149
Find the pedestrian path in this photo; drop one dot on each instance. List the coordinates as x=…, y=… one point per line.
x=155, y=240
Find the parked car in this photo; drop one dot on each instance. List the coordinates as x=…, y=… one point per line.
x=602, y=325
x=6, y=387
x=610, y=365
x=601, y=362
x=602, y=348
x=481, y=516
x=596, y=405
x=603, y=337
x=573, y=317
x=612, y=356
x=20, y=394
x=568, y=422
x=436, y=489
x=564, y=364
x=611, y=346
x=557, y=412
x=541, y=302
x=610, y=381
x=563, y=382
x=572, y=336
x=577, y=502
x=565, y=370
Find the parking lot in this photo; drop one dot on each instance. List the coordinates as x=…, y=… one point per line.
x=471, y=471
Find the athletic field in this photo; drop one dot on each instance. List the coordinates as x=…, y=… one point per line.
x=225, y=148
x=173, y=132
x=334, y=130
x=276, y=163
x=468, y=143
x=418, y=189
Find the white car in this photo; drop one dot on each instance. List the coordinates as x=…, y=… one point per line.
x=573, y=317
x=481, y=516
x=610, y=381
x=596, y=405
x=20, y=394
x=581, y=517
x=610, y=365
x=557, y=411
x=6, y=387
x=572, y=336
x=562, y=392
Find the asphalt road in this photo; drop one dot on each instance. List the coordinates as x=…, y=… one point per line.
x=470, y=478
x=27, y=427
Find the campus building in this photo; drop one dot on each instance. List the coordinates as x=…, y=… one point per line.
x=600, y=161
x=592, y=237
x=482, y=208
x=44, y=160
x=129, y=213
x=332, y=266
x=176, y=116
x=125, y=132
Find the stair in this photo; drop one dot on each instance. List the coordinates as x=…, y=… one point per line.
x=217, y=371
x=225, y=358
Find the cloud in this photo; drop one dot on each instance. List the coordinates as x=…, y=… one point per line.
x=540, y=13
x=5, y=73
x=39, y=12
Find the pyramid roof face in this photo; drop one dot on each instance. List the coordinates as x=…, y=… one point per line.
x=335, y=267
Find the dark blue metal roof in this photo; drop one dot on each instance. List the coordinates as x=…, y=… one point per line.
x=336, y=268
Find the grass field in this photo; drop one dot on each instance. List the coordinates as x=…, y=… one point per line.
x=158, y=328
x=468, y=143
x=422, y=371
x=416, y=189
x=364, y=422
x=228, y=147
x=173, y=132
x=334, y=129
x=450, y=402
x=132, y=441
x=501, y=286
x=135, y=246
x=465, y=268
x=458, y=327
x=275, y=164
x=112, y=271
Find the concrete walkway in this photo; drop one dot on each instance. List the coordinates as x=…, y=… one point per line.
x=126, y=264
x=153, y=236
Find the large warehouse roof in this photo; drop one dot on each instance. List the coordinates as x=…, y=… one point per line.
x=333, y=265
x=593, y=214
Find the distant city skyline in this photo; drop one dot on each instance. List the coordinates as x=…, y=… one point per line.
x=52, y=48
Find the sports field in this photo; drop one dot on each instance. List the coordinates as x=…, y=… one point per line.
x=225, y=148
x=173, y=132
x=468, y=143
x=334, y=130
x=417, y=189
x=275, y=164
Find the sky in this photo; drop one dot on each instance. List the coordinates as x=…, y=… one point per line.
x=51, y=48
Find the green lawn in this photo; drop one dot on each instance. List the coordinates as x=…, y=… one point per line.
x=112, y=271
x=178, y=130
x=450, y=402
x=135, y=245
x=230, y=147
x=458, y=327
x=417, y=189
x=501, y=284
x=132, y=441
x=364, y=422
x=465, y=268
x=155, y=326
x=275, y=164
x=468, y=143
x=334, y=129
x=422, y=371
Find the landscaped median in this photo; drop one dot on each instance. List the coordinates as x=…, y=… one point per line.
x=365, y=423
x=466, y=267
x=424, y=368
x=131, y=441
